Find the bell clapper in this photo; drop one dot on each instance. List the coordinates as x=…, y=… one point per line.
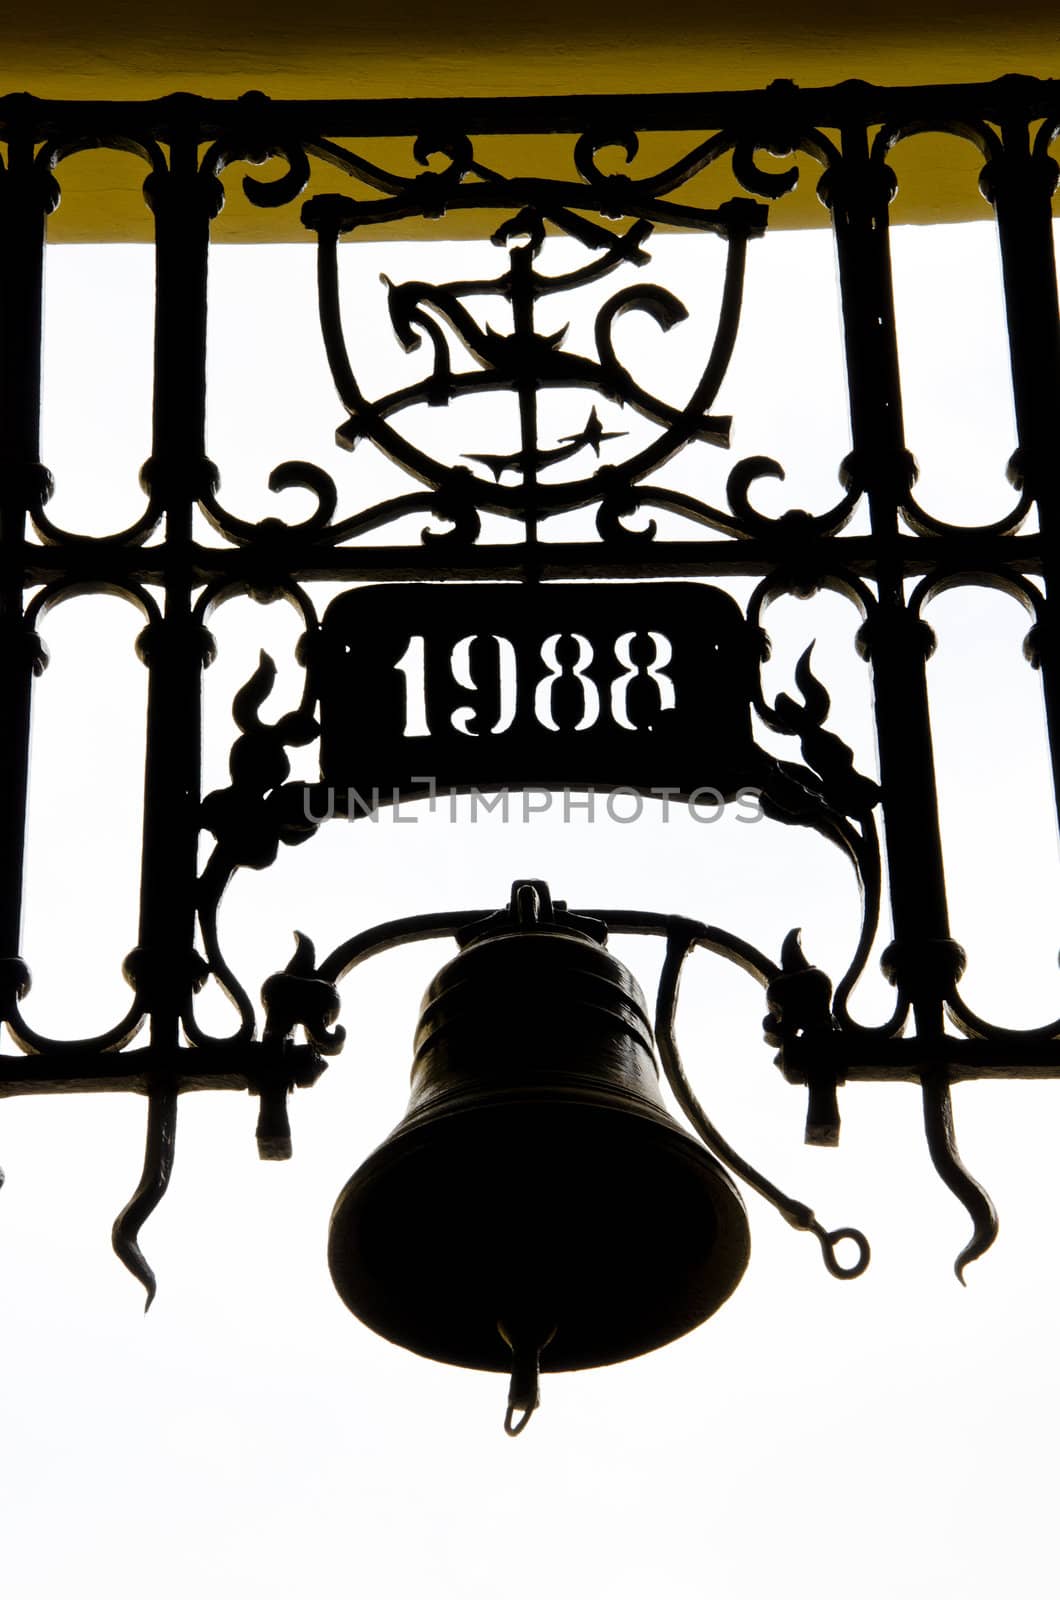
x=524, y=1393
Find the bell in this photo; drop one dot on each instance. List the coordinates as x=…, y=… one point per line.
x=537, y=1207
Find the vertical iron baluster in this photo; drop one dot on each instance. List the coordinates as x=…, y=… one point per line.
x=923, y=959
x=183, y=201
x=1020, y=185
x=164, y=966
x=27, y=195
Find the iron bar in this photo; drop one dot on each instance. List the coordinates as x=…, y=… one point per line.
x=1021, y=181
x=831, y=107
x=896, y=643
x=26, y=196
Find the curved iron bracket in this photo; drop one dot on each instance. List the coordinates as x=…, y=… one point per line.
x=682, y=937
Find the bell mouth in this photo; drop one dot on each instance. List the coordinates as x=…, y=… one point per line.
x=592, y=1213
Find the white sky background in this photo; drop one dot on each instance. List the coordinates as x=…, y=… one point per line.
x=816, y=1439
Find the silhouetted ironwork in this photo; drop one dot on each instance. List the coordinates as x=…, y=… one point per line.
x=606, y=677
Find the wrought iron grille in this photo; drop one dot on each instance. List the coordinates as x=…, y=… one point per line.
x=609, y=713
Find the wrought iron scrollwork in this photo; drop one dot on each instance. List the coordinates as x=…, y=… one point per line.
x=605, y=459
x=528, y=362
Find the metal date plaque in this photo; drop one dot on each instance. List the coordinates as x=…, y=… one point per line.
x=645, y=686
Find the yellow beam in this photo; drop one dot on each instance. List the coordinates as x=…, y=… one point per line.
x=331, y=49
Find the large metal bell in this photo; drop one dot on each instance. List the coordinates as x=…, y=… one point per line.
x=537, y=1204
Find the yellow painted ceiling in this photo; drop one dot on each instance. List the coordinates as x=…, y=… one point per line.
x=324, y=49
